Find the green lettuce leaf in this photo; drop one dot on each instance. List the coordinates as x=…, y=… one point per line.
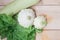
x=10, y=28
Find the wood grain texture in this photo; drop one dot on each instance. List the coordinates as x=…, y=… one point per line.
x=50, y=8
x=5, y=2
x=52, y=32
x=53, y=12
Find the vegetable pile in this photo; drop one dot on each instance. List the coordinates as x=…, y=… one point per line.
x=23, y=25
x=13, y=31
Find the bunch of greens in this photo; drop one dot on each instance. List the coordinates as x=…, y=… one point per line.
x=6, y=25
x=10, y=28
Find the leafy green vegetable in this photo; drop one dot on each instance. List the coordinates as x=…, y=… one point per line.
x=6, y=24
x=21, y=33
x=10, y=28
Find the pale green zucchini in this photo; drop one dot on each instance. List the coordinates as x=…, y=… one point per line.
x=17, y=5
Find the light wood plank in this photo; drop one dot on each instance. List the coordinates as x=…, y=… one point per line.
x=5, y=2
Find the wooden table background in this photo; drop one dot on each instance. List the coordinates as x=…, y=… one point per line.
x=52, y=9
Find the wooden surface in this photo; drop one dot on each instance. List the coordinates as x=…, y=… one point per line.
x=50, y=8
x=52, y=30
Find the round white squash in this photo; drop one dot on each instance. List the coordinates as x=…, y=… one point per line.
x=40, y=22
x=26, y=17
